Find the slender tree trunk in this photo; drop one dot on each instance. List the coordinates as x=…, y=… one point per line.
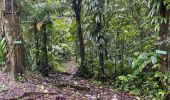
x=16, y=50
x=101, y=71
x=35, y=31
x=81, y=43
x=101, y=49
x=44, y=67
x=77, y=9
x=117, y=54
x=75, y=50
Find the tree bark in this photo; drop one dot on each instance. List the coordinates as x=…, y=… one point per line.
x=77, y=9
x=101, y=49
x=16, y=51
x=36, y=43
x=44, y=67
x=163, y=35
x=164, y=27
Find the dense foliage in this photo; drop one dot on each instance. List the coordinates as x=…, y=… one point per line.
x=111, y=40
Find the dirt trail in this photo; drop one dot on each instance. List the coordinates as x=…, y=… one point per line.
x=11, y=90
x=57, y=86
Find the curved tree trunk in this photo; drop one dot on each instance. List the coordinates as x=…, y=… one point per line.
x=16, y=50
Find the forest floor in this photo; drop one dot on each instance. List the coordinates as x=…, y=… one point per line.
x=58, y=86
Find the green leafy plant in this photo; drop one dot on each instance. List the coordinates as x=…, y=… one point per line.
x=2, y=50
x=143, y=61
x=3, y=89
x=146, y=78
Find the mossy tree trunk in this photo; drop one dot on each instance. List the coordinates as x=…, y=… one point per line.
x=36, y=43
x=101, y=41
x=44, y=67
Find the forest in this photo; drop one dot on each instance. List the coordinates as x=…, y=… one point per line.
x=84, y=49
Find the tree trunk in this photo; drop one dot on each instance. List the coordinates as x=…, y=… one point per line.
x=44, y=67
x=77, y=9
x=101, y=71
x=35, y=31
x=101, y=49
x=163, y=46
x=16, y=50
x=163, y=35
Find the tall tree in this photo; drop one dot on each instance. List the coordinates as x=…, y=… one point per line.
x=164, y=27
x=101, y=41
x=76, y=4
x=164, y=13
x=36, y=43
x=44, y=67
x=11, y=26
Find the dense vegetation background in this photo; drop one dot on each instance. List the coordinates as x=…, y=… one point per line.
x=123, y=42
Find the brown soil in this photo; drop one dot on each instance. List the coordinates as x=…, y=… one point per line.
x=58, y=86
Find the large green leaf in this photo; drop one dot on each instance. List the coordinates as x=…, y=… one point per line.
x=158, y=74
x=143, y=55
x=123, y=78
x=153, y=59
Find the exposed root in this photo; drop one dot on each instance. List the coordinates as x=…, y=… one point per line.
x=77, y=87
